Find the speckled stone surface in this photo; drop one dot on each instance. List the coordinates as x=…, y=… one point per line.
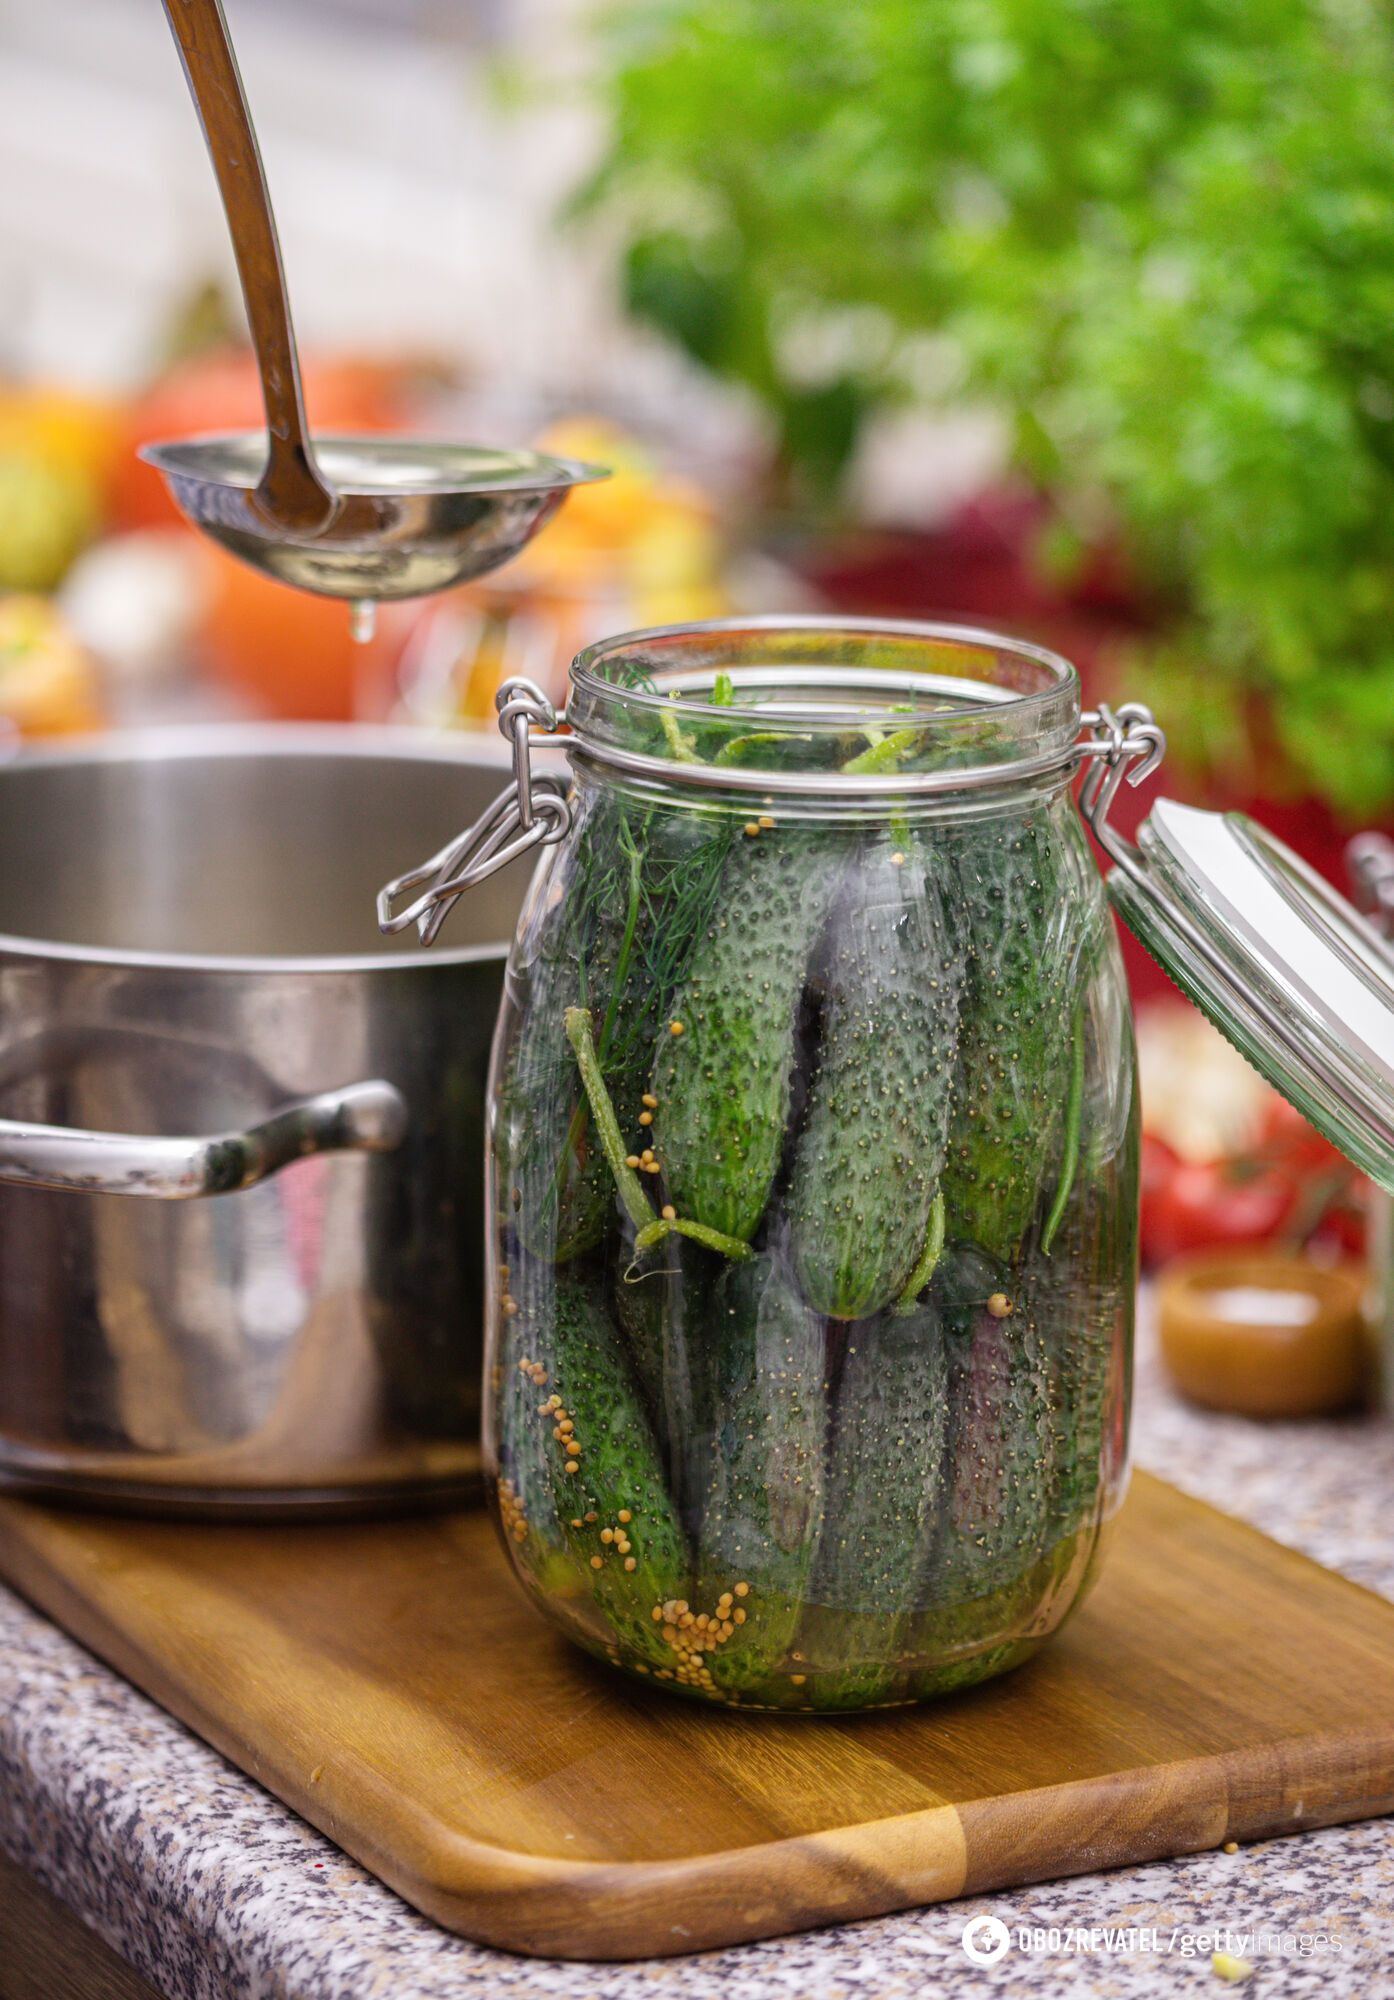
x=213, y=1889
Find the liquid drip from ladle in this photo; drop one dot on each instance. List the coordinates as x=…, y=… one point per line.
x=363, y=620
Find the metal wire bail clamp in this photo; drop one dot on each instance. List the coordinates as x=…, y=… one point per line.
x=532, y=811
x=1125, y=742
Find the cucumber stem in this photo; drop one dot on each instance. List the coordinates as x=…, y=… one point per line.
x=713, y=1239
x=732, y=752
x=576, y=1130
x=885, y=754
x=679, y=742
x=928, y=1258
x=578, y=1033
x=652, y=1228
x=1069, y=1156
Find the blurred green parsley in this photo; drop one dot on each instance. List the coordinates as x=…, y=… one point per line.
x=1158, y=233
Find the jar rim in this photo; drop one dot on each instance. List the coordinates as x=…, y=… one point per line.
x=1061, y=686
x=834, y=708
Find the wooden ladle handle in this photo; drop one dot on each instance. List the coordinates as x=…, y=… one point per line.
x=293, y=493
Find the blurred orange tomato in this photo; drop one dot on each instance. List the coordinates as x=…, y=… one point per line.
x=290, y=653
x=639, y=548
x=644, y=531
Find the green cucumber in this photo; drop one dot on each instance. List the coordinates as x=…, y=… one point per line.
x=644, y=1313
x=1020, y=919
x=866, y=1170
x=763, y=1511
x=524, y=1486
x=722, y=1073
x=1081, y=1273
x=883, y=1490
x=612, y=939
x=999, y=1466
x=579, y=1390
x=675, y=864
x=552, y=1178
x=1082, y=1310
x=664, y=1309
x=1084, y=1294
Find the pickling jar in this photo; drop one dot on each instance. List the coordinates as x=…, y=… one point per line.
x=813, y=1143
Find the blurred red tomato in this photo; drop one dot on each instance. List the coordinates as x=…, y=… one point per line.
x=1285, y=1134
x=1194, y=1205
x=1292, y=1188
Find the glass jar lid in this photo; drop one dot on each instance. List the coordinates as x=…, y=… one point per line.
x=1282, y=964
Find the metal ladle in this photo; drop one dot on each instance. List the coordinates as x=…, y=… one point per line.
x=364, y=517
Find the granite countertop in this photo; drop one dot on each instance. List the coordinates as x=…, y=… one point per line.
x=212, y=1889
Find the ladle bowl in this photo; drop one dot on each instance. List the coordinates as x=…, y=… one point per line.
x=411, y=515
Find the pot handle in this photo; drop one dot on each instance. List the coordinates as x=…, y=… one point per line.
x=360, y=1118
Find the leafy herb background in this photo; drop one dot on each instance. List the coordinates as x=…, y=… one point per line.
x=1159, y=233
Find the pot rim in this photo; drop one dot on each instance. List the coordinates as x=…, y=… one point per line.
x=172, y=742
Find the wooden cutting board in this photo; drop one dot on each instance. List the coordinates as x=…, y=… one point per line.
x=390, y=1682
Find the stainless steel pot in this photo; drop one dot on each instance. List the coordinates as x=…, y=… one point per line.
x=242, y=1137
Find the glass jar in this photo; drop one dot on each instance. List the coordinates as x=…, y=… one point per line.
x=813, y=1140
x=814, y=1170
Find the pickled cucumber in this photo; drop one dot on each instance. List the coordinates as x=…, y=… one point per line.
x=999, y=1467
x=1082, y=1273
x=613, y=941
x=869, y=1157
x=552, y=1178
x=764, y=1504
x=722, y=1075
x=883, y=1491
x=580, y=1427
x=1020, y=934
x=1084, y=1293
x=663, y=1311
x=524, y=1483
